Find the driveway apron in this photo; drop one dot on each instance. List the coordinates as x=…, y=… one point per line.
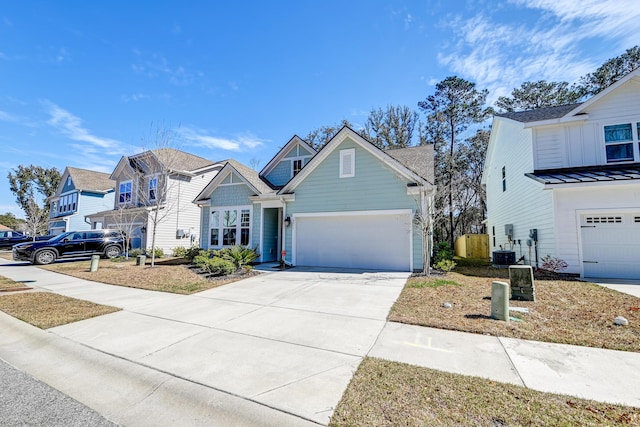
x=290, y=339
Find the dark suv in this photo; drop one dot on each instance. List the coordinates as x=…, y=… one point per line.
x=107, y=243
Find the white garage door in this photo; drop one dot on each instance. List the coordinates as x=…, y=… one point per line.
x=611, y=245
x=370, y=241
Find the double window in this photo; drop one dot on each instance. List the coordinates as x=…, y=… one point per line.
x=230, y=226
x=125, y=192
x=68, y=203
x=621, y=142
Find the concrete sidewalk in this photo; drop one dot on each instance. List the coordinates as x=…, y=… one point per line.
x=276, y=349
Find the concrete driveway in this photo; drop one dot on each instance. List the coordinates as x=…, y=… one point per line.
x=290, y=340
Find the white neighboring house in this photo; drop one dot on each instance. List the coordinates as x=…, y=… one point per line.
x=174, y=174
x=573, y=174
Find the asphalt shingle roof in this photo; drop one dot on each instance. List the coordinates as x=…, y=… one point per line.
x=251, y=176
x=540, y=113
x=85, y=179
x=180, y=160
x=418, y=159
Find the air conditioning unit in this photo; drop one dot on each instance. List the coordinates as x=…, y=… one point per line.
x=504, y=258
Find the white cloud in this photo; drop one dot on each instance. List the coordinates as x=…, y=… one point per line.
x=71, y=126
x=6, y=117
x=159, y=65
x=134, y=97
x=500, y=55
x=202, y=138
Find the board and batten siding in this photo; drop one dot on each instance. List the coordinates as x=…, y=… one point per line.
x=375, y=186
x=524, y=204
x=582, y=143
x=570, y=203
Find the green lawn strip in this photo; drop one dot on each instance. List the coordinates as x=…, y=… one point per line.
x=384, y=393
x=47, y=310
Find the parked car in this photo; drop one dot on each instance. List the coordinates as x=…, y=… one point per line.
x=9, y=238
x=106, y=243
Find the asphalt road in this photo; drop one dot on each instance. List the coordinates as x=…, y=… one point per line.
x=29, y=402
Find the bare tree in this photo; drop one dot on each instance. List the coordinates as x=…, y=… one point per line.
x=37, y=218
x=424, y=220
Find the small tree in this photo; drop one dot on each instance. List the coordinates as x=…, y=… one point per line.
x=37, y=218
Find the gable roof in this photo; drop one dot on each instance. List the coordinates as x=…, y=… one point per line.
x=88, y=180
x=368, y=146
x=284, y=150
x=248, y=175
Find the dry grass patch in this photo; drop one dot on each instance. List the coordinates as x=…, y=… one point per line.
x=569, y=312
x=47, y=310
x=6, y=255
x=6, y=283
x=384, y=393
x=166, y=276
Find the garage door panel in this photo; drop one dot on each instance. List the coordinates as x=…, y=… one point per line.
x=380, y=242
x=611, y=246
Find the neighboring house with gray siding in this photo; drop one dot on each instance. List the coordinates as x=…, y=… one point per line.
x=163, y=181
x=81, y=192
x=349, y=205
x=572, y=174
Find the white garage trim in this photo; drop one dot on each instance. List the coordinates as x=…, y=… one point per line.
x=406, y=213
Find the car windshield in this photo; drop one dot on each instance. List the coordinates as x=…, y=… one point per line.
x=60, y=236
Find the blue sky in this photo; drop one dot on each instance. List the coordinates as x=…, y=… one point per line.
x=83, y=83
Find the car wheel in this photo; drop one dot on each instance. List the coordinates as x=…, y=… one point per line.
x=112, y=251
x=45, y=257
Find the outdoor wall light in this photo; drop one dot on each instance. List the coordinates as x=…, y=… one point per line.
x=143, y=230
x=287, y=221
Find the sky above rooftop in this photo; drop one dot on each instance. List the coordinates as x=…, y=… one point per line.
x=84, y=83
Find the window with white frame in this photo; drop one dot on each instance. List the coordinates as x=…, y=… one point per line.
x=230, y=226
x=297, y=166
x=348, y=163
x=153, y=188
x=125, y=192
x=68, y=203
x=621, y=142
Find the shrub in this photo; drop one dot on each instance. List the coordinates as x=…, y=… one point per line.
x=192, y=252
x=445, y=265
x=216, y=266
x=240, y=256
x=134, y=253
x=179, y=252
x=158, y=252
x=443, y=252
x=554, y=264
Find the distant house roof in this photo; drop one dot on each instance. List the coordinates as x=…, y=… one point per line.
x=180, y=160
x=418, y=159
x=4, y=228
x=540, y=113
x=84, y=179
x=591, y=174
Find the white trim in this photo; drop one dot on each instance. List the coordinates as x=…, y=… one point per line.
x=238, y=209
x=354, y=213
x=295, y=159
x=284, y=150
x=348, y=158
x=635, y=140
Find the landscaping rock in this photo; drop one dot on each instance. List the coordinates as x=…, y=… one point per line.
x=620, y=321
x=447, y=305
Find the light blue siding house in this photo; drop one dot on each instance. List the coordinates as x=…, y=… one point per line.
x=80, y=192
x=350, y=205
